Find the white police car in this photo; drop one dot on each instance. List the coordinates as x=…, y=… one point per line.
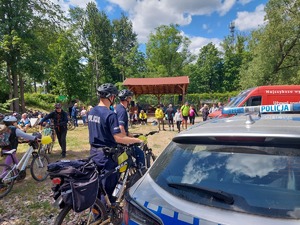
x=239, y=170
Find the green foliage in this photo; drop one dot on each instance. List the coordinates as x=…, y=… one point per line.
x=42, y=101
x=275, y=48
x=4, y=107
x=207, y=74
x=167, y=52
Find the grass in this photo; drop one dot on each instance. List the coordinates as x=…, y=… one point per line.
x=30, y=202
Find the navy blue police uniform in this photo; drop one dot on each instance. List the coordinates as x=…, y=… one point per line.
x=103, y=125
x=123, y=120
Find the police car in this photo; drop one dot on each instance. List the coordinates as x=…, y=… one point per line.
x=238, y=170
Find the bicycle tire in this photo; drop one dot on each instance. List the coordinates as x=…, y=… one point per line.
x=38, y=167
x=150, y=158
x=68, y=216
x=50, y=147
x=70, y=125
x=7, y=184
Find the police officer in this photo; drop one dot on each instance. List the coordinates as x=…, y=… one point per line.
x=125, y=97
x=105, y=133
x=60, y=120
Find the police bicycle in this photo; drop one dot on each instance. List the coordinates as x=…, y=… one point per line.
x=100, y=211
x=149, y=155
x=17, y=171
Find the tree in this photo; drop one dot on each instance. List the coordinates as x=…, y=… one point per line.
x=167, y=52
x=124, y=46
x=67, y=71
x=19, y=20
x=234, y=52
x=99, y=33
x=275, y=47
x=208, y=75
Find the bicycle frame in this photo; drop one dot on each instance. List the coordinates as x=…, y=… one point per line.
x=22, y=164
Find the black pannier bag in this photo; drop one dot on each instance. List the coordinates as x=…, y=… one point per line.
x=81, y=182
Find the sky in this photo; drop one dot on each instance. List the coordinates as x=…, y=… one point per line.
x=202, y=21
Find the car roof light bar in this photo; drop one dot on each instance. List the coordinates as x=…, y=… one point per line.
x=262, y=109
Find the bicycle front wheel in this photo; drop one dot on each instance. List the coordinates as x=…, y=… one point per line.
x=150, y=158
x=70, y=125
x=6, y=179
x=38, y=167
x=50, y=147
x=96, y=213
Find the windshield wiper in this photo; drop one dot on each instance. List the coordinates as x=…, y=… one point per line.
x=217, y=194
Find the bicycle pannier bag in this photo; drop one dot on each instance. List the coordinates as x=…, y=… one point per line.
x=81, y=184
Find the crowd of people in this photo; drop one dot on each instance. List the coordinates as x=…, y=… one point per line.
x=108, y=124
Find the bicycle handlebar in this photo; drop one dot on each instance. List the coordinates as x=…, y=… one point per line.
x=140, y=134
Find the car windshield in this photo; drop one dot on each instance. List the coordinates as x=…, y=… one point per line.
x=257, y=180
x=238, y=99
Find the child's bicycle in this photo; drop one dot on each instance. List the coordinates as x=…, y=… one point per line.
x=149, y=156
x=47, y=132
x=81, y=176
x=15, y=172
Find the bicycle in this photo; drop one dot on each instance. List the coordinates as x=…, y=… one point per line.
x=16, y=172
x=98, y=213
x=48, y=131
x=70, y=124
x=149, y=155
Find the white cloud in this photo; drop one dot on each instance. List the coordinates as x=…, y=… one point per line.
x=198, y=42
x=65, y=5
x=247, y=21
x=244, y=2
x=149, y=14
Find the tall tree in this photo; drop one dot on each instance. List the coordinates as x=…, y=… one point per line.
x=19, y=19
x=208, y=76
x=125, y=41
x=67, y=71
x=99, y=33
x=276, y=47
x=167, y=52
x=234, y=51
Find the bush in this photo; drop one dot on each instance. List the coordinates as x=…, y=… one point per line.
x=42, y=101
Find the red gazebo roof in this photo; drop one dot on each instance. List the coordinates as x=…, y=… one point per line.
x=158, y=86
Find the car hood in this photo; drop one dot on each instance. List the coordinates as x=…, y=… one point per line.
x=174, y=210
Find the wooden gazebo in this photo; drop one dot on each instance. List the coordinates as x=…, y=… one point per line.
x=158, y=86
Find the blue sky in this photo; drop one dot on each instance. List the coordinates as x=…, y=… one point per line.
x=202, y=21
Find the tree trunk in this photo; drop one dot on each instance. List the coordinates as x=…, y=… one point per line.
x=22, y=100
x=8, y=71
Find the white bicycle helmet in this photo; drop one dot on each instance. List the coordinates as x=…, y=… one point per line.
x=9, y=120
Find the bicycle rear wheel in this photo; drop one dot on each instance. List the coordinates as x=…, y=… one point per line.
x=96, y=213
x=38, y=167
x=6, y=179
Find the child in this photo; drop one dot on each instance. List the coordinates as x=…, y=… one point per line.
x=178, y=119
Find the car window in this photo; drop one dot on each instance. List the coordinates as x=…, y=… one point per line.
x=261, y=180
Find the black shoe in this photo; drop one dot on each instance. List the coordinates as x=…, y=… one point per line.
x=63, y=155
